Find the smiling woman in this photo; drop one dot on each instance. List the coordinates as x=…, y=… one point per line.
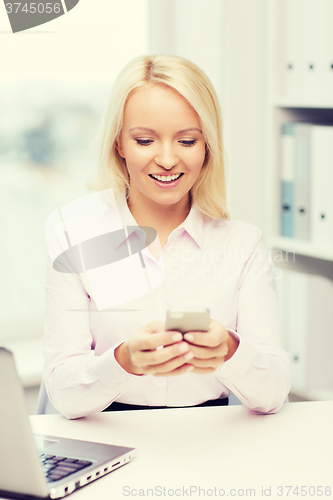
x=168, y=105
x=161, y=154
x=163, y=158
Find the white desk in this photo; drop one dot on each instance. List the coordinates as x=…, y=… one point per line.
x=222, y=447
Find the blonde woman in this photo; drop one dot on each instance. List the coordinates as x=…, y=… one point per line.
x=161, y=154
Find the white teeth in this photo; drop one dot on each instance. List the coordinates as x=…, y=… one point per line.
x=165, y=178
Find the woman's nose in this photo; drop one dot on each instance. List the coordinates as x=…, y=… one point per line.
x=166, y=157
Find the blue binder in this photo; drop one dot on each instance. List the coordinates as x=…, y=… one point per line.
x=287, y=179
x=287, y=209
x=302, y=180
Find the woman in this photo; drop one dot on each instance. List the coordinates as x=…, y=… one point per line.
x=161, y=153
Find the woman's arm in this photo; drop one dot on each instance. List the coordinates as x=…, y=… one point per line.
x=259, y=372
x=78, y=381
x=249, y=361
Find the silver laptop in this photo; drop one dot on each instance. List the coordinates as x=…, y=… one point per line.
x=44, y=466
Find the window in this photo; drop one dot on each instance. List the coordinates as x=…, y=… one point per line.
x=55, y=82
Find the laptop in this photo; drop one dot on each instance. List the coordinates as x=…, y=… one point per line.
x=39, y=466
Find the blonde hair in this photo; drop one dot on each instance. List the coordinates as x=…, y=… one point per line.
x=209, y=191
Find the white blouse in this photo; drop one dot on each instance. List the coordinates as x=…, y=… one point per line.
x=214, y=263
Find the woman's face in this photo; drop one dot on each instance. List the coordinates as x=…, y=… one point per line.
x=161, y=136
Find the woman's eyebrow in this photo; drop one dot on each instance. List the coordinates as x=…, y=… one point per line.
x=154, y=131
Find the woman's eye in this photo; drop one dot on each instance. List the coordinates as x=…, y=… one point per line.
x=144, y=142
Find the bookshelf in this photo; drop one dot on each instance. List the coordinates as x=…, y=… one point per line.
x=316, y=259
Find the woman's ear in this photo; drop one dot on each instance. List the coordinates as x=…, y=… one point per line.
x=119, y=149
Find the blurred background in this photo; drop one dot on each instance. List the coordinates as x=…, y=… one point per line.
x=54, y=85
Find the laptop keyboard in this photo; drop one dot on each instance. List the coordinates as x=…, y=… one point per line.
x=56, y=468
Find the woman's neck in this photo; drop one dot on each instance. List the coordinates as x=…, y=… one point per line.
x=163, y=218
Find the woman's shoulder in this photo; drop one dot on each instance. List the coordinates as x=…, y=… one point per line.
x=235, y=226
x=236, y=231
x=80, y=220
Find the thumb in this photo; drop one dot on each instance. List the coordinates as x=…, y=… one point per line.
x=155, y=326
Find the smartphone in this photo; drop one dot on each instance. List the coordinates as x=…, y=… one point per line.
x=187, y=320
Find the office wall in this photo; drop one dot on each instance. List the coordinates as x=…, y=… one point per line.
x=226, y=39
x=243, y=103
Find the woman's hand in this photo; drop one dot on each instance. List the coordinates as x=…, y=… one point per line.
x=210, y=349
x=139, y=354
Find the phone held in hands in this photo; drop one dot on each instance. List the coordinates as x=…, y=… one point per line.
x=187, y=320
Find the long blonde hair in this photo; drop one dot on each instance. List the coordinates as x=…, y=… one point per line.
x=209, y=190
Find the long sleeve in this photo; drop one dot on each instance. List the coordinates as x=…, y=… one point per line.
x=258, y=373
x=78, y=382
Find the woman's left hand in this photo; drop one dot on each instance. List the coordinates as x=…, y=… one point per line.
x=212, y=348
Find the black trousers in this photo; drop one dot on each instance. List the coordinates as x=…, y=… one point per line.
x=115, y=406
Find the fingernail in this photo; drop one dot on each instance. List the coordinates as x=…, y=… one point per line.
x=189, y=356
x=190, y=368
x=183, y=347
x=176, y=337
x=188, y=336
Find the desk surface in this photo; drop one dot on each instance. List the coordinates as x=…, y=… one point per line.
x=222, y=447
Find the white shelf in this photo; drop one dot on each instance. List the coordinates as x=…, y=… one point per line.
x=301, y=247
x=287, y=102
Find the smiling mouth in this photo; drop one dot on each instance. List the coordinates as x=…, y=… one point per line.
x=166, y=179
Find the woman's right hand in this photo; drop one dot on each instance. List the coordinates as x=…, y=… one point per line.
x=139, y=354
